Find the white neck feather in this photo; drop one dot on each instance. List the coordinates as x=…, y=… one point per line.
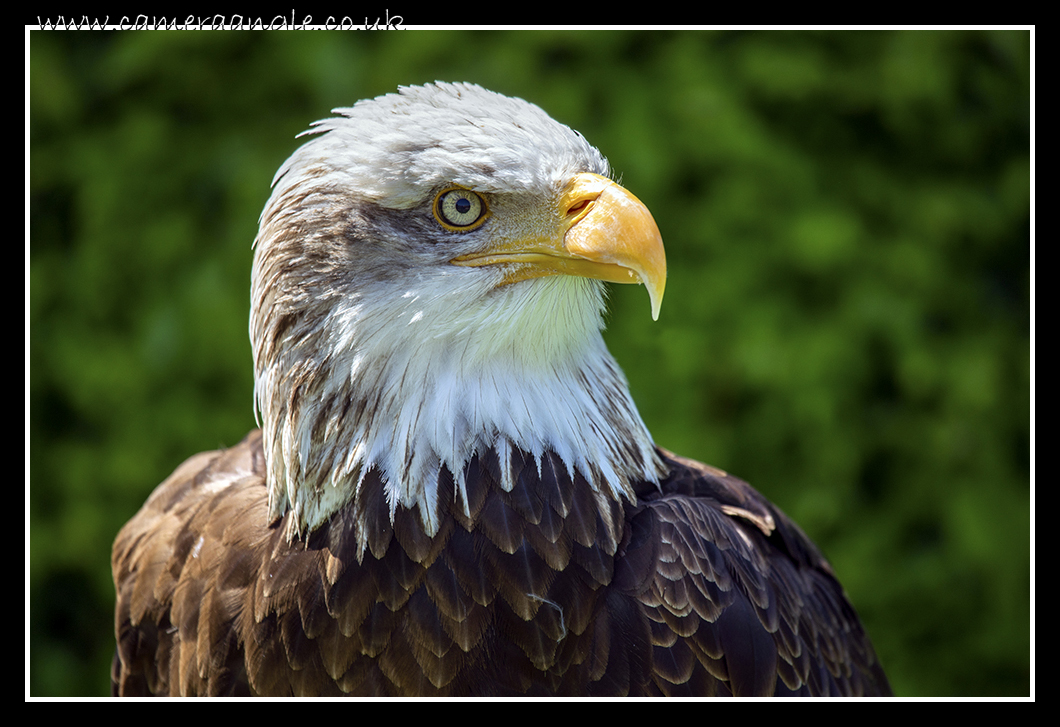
x=444, y=373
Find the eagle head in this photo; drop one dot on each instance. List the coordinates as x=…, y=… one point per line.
x=428, y=286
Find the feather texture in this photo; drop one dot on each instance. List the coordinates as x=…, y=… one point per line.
x=690, y=600
x=452, y=492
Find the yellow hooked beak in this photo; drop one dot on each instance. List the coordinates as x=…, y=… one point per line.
x=601, y=231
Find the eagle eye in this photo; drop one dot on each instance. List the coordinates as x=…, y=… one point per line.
x=460, y=209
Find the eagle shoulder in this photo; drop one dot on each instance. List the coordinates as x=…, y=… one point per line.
x=180, y=571
x=739, y=600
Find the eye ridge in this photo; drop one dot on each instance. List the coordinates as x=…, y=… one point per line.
x=459, y=209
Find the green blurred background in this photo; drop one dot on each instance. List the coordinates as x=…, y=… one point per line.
x=846, y=324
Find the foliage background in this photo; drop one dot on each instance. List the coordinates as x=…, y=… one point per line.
x=846, y=324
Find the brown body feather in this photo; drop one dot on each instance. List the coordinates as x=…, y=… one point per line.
x=699, y=588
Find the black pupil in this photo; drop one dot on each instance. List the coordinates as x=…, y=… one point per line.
x=463, y=205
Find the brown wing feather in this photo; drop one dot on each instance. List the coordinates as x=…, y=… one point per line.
x=181, y=569
x=738, y=597
x=708, y=590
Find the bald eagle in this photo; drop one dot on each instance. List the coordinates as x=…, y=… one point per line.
x=452, y=492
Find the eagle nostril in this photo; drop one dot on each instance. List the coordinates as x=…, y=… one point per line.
x=575, y=209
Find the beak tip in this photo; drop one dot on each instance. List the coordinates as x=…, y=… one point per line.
x=656, y=303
